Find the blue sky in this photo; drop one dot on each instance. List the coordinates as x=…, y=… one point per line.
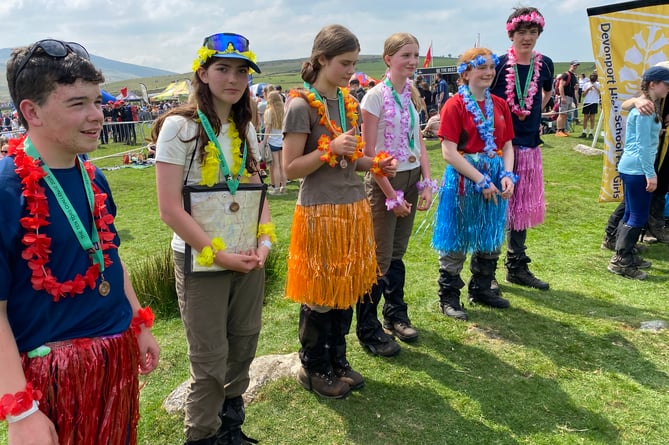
x=166, y=33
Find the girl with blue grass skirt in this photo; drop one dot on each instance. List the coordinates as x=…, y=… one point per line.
x=476, y=133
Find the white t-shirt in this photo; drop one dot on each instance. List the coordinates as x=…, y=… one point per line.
x=372, y=102
x=171, y=149
x=592, y=96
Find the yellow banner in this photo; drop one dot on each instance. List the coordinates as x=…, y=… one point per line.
x=627, y=39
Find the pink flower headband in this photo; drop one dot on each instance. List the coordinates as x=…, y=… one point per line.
x=533, y=17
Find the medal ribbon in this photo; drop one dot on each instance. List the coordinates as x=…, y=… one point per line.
x=90, y=243
x=233, y=183
x=340, y=100
x=520, y=94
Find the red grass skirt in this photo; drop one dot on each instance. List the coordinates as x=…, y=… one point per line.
x=527, y=206
x=90, y=389
x=332, y=260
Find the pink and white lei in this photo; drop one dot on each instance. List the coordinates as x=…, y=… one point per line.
x=399, y=150
x=511, y=84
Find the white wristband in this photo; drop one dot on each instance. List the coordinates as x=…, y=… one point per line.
x=32, y=410
x=266, y=243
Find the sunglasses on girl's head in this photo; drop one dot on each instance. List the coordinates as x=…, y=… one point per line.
x=53, y=48
x=221, y=42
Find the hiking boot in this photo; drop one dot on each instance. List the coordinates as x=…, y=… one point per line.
x=608, y=243
x=453, y=310
x=324, y=384
x=524, y=277
x=640, y=263
x=207, y=441
x=349, y=376
x=489, y=299
x=630, y=271
x=381, y=344
x=494, y=287
x=403, y=330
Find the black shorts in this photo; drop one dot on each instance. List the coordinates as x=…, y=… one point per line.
x=590, y=109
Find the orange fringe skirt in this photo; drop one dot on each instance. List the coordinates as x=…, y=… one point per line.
x=90, y=389
x=332, y=259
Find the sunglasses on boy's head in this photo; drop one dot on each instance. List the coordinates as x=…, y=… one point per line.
x=221, y=42
x=53, y=48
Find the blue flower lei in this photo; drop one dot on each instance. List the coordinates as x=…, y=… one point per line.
x=484, y=124
x=478, y=60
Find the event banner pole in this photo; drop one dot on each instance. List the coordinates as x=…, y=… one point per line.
x=627, y=38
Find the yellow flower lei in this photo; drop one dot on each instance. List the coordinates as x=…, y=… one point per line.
x=324, y=141
x=267, y=229
x=204, y=53
x=211, y=164
x=206, y=257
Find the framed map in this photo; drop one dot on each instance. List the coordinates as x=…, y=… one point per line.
x=234, y=219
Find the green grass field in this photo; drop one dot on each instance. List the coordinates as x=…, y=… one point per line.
x=565, y=366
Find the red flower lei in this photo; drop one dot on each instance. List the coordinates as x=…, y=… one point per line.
x=38, y=244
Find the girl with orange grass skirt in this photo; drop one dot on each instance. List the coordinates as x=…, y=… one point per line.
x=476, y=133
x=331, y=261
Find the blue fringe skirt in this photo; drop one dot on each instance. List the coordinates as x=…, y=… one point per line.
x=465, y=222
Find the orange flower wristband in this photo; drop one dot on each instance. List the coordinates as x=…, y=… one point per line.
x=375, y=169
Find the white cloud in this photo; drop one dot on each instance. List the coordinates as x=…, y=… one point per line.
x=166, y=33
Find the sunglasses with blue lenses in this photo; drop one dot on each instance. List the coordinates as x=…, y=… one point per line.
x=53, y=48
x=222, y=41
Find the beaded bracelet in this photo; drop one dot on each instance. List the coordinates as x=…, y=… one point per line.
x=483, y=183
x=398, y=201
x=144, y=317
x=325, y=145
x=375, y=169
x=15, y=407
x=427, y=182
x=267, y=229
x=511, y=175
x=208, y=253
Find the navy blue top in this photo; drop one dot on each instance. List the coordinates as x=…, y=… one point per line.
x=527, y=131
x=34, y=317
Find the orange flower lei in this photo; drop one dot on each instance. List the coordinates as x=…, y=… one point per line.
x=335, y=130
x=38, y=244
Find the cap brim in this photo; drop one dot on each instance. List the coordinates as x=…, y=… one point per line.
x=251, y=64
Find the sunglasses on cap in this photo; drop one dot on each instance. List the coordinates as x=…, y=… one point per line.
x=222, y=41
x=53, y=48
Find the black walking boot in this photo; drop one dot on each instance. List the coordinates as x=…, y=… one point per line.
x=474, y=266
x=207, y=441
x=518, y=272
x=368, y=328
x=341, y=323
x=316, y=373
x=395, y=315
x=232, y=417
x=480, y=292
x=449, y=295
x=623, y=262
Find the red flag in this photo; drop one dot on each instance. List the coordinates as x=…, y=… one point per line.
x=428, y=57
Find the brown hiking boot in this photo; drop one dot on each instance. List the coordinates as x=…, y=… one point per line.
x=628, y=271
x=349, y=376
x=401, y=329
x=324, y=384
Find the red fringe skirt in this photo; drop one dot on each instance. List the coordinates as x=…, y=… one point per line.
x=90, y=389
x=332, y=259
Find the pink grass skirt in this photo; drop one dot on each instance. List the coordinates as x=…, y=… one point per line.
x=527, y=207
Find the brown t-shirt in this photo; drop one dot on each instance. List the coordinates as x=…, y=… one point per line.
x=326, y=185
